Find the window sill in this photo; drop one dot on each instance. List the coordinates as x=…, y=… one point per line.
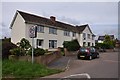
x=40, y=32
x=52, y=33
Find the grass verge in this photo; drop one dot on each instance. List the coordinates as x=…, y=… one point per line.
x=22, y=69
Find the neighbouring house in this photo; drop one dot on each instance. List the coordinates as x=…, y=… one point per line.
x=50, y=33
x=102, y=38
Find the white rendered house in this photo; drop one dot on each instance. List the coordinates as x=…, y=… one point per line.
x=50, y=33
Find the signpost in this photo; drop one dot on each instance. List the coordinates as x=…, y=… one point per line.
x=33, y=34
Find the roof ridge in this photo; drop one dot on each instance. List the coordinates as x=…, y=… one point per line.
x=38, y=19
x=33, y=14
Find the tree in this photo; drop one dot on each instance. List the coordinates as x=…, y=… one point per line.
x=109, y=42
x=23, y=47
x=71, y=45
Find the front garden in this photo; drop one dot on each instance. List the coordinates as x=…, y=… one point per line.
x=13, y=67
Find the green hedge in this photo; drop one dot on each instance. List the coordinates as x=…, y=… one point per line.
x=71, y=45
x=17, y=51
x=37, y=51
x=104, y=45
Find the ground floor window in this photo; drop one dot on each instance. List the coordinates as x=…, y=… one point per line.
x=88, y=43
x=84, y=43
x=92, y=44
x=39, y=43
x=52, y=43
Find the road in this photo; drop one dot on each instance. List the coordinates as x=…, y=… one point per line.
x=104, y=67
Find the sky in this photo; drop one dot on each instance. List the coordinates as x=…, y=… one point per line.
x=102, y=17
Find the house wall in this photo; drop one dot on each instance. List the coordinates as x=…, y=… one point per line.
x=18, y=29
x=100, y=41
x=87, y=31
x=45, y=36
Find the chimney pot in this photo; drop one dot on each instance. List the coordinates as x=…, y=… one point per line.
x=52, y=18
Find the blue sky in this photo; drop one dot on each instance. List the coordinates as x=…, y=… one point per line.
x=102, y=17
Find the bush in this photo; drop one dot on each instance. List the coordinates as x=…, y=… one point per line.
x=71, y=45
x=104, y=45
x=37, y=51
x=17, y=52
x=22, y=49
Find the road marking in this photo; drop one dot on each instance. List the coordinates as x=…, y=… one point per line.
x=83, y=74
x=67, y=67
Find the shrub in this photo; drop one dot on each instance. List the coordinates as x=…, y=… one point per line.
x=22, y=49
x=24, y=45
x=17, y=52
x=37, y=51
x=71, y=45
x=104, y=45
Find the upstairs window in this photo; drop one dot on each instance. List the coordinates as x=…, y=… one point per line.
x=74, y=34
x=84, y=36
x=66, y=33
x=52, y=30
x=40, y=28
x=88, y=36
x=93, y=37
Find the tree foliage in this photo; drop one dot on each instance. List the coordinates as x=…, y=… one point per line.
x=107, y=44
x=71, y=45
x=23, y=47
x=37, y=51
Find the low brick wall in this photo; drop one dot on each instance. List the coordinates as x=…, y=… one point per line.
x=43, y=59
x=110, y=50
x=69, y=53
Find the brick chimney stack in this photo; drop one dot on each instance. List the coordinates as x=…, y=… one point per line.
x=52, y=18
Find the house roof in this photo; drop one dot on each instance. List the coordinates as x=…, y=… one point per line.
x=82, y=27
x=103, y=37
x=34, y=19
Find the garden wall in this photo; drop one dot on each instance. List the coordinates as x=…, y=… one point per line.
x=43, y=59
x=69, y=53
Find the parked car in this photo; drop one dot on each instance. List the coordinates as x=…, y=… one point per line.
x=87, y=52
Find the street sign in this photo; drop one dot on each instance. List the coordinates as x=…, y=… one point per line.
x=33, y=32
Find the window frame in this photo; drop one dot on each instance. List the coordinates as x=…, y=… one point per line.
x=88, y=36
x=73, y=34
x=41, y=40
x=40, y=28
x=52, y=44
x=66, y=33
x=52, y=30
x=84, y=36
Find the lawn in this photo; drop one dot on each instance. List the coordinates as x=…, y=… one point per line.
x=22, y=69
